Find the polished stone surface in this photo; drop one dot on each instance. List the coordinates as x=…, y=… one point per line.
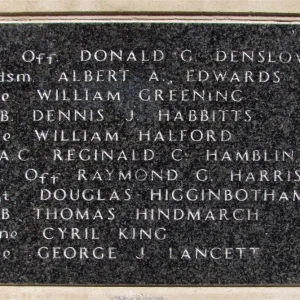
x=274, y=126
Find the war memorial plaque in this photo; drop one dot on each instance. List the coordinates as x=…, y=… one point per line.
x=147, y=153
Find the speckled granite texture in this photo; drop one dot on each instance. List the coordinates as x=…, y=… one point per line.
x=274, y=109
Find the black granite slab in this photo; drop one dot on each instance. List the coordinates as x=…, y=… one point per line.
x=224, y=100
